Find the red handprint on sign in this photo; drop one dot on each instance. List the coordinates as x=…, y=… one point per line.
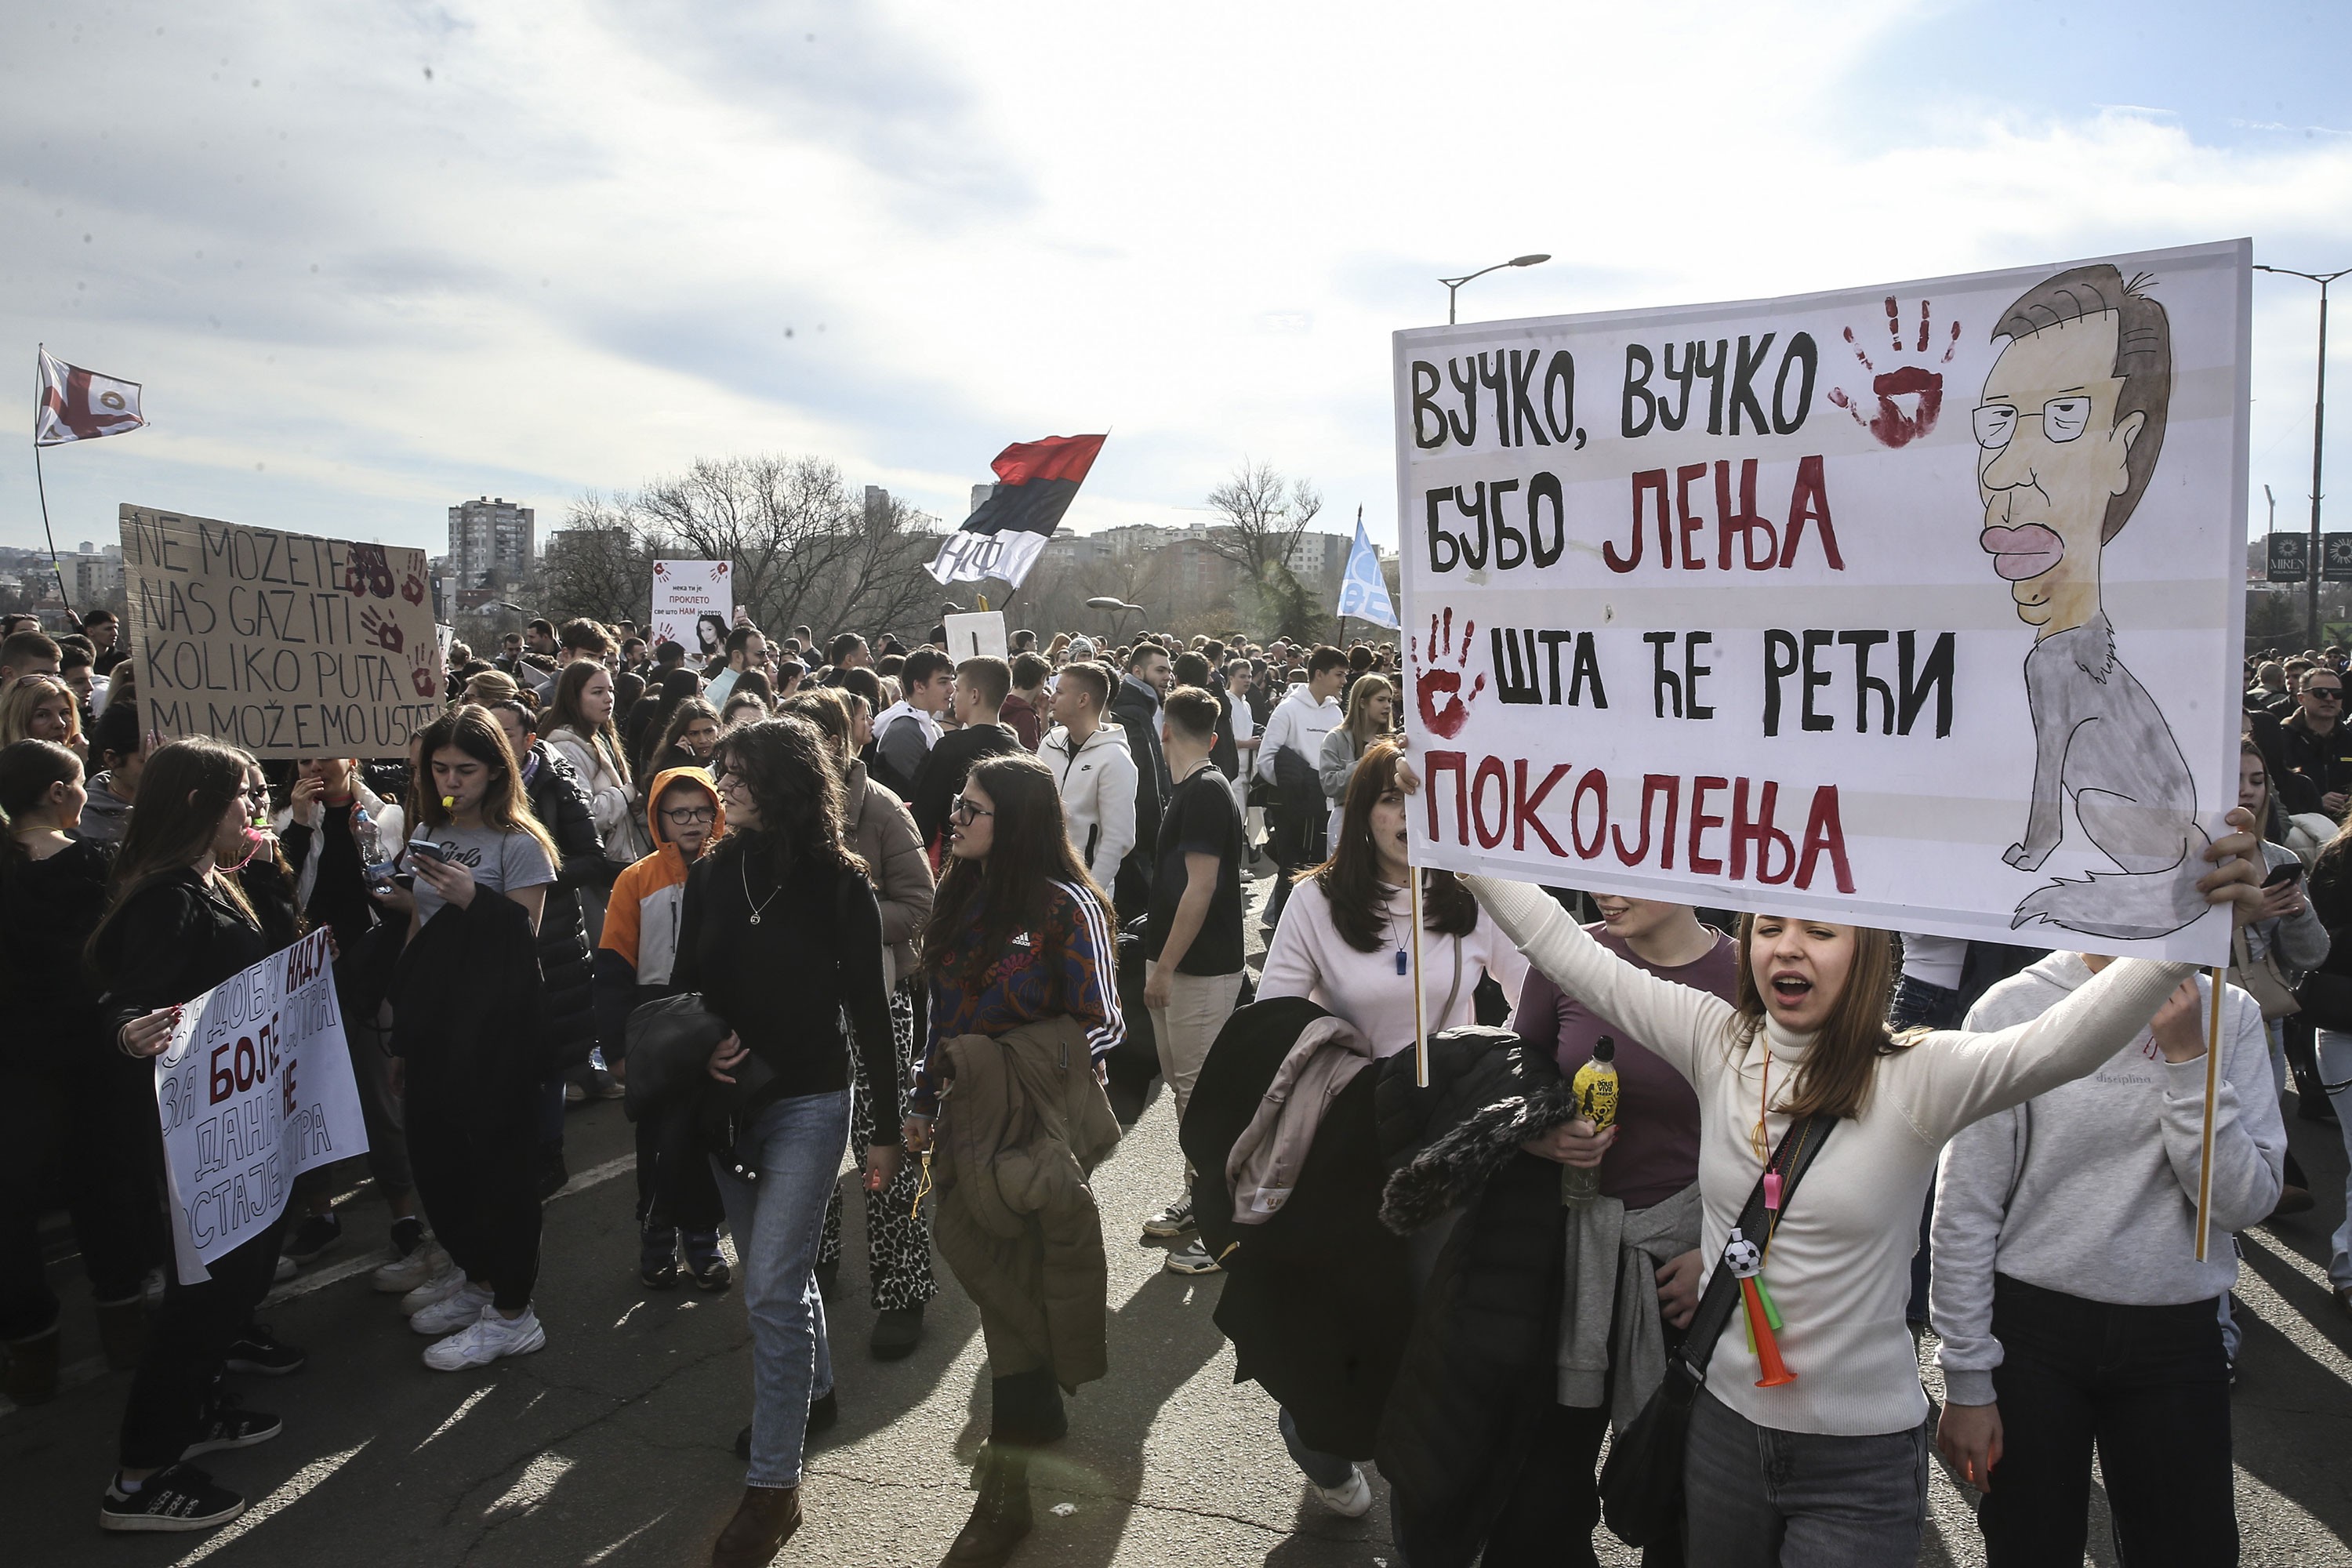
x=367, y=573
x=420, y=672
x=383, y=633
x=1893, y=424
x=1444, y=708
x=412, y=587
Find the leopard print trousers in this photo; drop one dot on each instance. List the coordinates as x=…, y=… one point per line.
x=898, y=1239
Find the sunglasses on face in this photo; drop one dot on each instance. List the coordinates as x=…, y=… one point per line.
x=2326, y=693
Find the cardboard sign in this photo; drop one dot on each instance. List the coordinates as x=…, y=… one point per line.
x=255, y=1088
x=1915, y=606
x=689, y=606
x=285, y=644
x=976, y=633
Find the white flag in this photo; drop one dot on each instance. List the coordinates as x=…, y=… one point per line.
x=79, y=404
x=1364, y=593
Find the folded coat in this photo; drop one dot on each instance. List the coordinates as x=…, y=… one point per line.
x=1020, y=1126
x=1317, y=1298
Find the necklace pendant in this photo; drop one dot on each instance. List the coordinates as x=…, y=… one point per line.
x=755, y=917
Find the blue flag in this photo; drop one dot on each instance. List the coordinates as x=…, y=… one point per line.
x=1364, y=593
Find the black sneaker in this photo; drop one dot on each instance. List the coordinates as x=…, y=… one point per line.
x=704, y=1265
x=1174, y=1220
x=318, y=1233
x=177, y=1497
x=260, y=1352
x=231, y=1426
x=658, y=1258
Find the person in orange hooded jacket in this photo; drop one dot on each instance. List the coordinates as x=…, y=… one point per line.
x=676, y=1195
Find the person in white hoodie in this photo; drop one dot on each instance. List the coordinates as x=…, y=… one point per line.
x=1295, y=728
x=2067, y=1292
x=1093, y=771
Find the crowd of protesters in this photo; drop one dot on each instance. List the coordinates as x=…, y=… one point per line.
x=795, y=896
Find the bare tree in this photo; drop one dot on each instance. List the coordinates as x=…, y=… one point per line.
x=598, y=564
x=803, y=547
x=1264, y=514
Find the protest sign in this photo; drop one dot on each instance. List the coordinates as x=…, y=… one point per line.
x=283, y=644
x=254, y=1088
x=975, y=633
x=1917, y=607
x=689, y=607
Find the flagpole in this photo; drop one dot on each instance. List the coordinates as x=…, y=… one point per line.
x=41, y=483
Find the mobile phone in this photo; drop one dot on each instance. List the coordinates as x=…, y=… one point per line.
x=2290, y=872
x=429, y=849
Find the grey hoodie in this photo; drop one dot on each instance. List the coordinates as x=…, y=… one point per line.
x=105, y=816
x=2091, y=1189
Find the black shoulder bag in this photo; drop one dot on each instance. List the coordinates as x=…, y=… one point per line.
x=1641, y=1484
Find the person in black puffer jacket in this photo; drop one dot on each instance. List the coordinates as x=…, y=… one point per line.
x=561, y=802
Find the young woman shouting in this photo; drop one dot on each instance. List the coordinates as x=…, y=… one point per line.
x=1832, y=1466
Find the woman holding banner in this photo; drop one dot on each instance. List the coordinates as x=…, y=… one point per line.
x=179, y=925
x=1824, y=1458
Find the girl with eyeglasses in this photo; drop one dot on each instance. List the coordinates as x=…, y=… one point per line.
x=1018, y=935
x=179, y=924
x=781, y=933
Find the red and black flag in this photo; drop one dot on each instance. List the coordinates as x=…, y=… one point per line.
x=1036, y=482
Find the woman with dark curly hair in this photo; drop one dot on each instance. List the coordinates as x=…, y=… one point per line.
x=781, y=933
x=1020, y=952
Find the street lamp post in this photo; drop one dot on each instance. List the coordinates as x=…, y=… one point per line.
x=2318, y=426
x=1452, y=284
x=1115, y=605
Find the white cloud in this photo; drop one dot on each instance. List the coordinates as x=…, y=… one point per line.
x=569, y=258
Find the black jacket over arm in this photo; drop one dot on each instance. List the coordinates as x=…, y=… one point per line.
x=1319, y=1300
x=467, y=1011
x=1479, y=1372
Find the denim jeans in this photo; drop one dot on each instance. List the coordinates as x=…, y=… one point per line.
x=1758, y=1496
x=1326, y=1470
x=2334, y=1053
x=795, y=1144
x=2148, y=1386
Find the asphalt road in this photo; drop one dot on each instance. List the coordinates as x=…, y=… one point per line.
x=613, y=1445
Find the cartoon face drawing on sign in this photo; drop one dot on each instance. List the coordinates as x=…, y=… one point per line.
x=2070, y=425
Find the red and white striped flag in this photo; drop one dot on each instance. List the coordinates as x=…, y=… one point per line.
x=79, y=404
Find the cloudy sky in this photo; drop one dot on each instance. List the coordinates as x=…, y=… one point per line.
x=374, y=257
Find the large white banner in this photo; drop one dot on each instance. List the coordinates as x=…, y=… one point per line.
x=689, y=608
x=255, y=1088
x=1918, y=606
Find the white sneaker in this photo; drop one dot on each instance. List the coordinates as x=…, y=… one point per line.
x=405, y=1274
x=492, y=1336
x=442, y=1283
x=1352, y=1500
x=455, y=1310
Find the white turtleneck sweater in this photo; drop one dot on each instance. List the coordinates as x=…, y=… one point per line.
x=1839, y=1268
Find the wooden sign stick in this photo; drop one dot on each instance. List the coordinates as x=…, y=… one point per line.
x=2205, y=1136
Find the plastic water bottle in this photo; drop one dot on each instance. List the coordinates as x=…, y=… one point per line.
x=1595, y=1086
x=369, y=842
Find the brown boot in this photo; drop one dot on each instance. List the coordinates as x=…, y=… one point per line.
x=31, y=1375
x=1001, y=1518
x=122, y=1330
x=763, y=1523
